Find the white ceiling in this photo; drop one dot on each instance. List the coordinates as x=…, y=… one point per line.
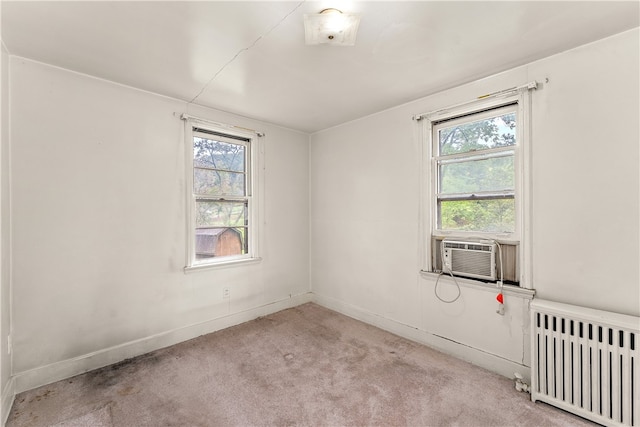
x=250, y=57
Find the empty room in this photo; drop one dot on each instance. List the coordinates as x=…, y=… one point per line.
x=323, y=213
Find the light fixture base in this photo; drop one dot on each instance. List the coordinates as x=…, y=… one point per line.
x=331, y=26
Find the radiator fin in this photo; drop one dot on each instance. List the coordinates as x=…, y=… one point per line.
x=585, y=363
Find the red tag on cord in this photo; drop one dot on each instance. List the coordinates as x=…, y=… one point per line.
x=500, y=299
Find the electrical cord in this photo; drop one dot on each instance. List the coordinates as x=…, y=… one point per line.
x=435, y=288
x=501, y=267
x=500, y=296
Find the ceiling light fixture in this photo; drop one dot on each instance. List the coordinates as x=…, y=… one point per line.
x=331, y=26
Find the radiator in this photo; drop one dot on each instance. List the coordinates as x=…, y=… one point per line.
x=586, y=361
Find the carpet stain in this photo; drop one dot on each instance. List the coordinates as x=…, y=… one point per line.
x=39, y=397
x=126, y=391
x=353, y=359
x=113, y=374
x=400, y=345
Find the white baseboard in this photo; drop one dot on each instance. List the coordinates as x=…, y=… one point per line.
x=8, y=395
x=488, y=361
x=47, y=374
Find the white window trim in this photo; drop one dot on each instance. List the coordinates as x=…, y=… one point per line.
x=522, y=235
x=255, y=175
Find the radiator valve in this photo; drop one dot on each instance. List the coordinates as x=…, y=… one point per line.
x=521, y=385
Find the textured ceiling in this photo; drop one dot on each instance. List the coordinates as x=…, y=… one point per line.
x=250, y=57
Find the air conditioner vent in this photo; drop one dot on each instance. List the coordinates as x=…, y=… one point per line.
x=470, y=259
x=455, y=245
x=479, y=248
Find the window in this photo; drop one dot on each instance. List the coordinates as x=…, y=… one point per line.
x=222, y=202
x=475, y=172
x=474, y=166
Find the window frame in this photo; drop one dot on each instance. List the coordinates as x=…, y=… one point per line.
x=253, y=182
x=521, y=236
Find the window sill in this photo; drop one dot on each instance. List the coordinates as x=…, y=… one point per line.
x=221, y=264
x=489, y=287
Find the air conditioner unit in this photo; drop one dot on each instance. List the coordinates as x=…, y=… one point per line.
x=470, y=259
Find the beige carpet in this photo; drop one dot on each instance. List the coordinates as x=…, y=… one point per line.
x=98, y=418
x=304, y=366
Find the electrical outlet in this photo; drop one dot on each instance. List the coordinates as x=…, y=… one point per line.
x=226, y=293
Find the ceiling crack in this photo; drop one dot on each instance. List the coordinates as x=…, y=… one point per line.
x=244, y=50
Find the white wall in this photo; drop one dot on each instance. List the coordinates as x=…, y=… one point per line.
x=586, y=179
x=6, y=384
x=98, y=191
x=365, y=196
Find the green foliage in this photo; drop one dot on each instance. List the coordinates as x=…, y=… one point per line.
x=478, y=176
x=493, y=215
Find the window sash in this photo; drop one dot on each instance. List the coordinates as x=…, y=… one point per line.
x=472, y=117
x=226, y=209
x=476, y=196
x=228, y=139
x=476, y=155
x=464, y=187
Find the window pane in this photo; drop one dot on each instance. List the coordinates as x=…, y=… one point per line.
x=471, y=176
x=219, y=155
x=220, y=214
x=216, y=242
x=216, y=183
x=493, y=215
x=498, y=131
